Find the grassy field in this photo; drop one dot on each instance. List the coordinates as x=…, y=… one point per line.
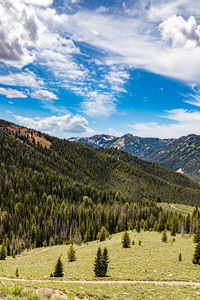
x=108, y=291
x=177, y=207
x=153, y=260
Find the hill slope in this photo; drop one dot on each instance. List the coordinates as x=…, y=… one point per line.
x=181, y=154
x=55, y=190
x=79, y=164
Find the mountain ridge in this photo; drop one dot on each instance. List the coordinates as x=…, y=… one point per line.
x=182, y=154
x=100, y=169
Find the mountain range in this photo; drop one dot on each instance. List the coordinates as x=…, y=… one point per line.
x=181, y=155
x=54, y=164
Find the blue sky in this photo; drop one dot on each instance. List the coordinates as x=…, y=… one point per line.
x=83, y=67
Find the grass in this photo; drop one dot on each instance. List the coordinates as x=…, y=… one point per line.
x=153, y=260
x=186, y=208
x=110, y=291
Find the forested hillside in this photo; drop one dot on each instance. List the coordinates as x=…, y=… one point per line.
x=54, y=190
x=181, y=154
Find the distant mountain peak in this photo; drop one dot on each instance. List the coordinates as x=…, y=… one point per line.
x=175, y=154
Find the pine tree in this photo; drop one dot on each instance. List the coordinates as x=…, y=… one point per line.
x=17, y=272
x=138, y=227
x=3, y=252
x=197, y=236
x=98, y=263
x=126, y=242
x=105, y=262
x=71, y=254
x=196, y=257
x=103, y=234
x=8, y=247
x=58, y=272
x=180, y=257
x=164, y=237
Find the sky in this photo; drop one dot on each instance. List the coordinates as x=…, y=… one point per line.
x=84, y=67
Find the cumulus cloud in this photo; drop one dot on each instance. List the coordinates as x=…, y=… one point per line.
x=25, y=79
x=182, y=33
x=99, y=104
x=66, y=123
x=184, y=122
x=44, y=95
x=11, y=93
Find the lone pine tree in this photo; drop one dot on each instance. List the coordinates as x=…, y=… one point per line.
x=58, y=272
x=101, y=263
x=3, y=252
x=105, y=262
x=164, y=237
x=71, y=254
x=126, y=242
x=103, y=234
x=196, y=257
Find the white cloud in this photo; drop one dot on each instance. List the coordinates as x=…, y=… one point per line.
x=25, y=79
x=66, y=123
x=44, y=3
x=11, y=93
x=183, y=34
x=99, y=104
x=194, y=100
x=44, y=95
x=184, y=122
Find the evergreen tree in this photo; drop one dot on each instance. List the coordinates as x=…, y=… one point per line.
x=17, y=272
x=173, y=230
x=196, y=257
x=140, y=243
x=105, y=262
x=3, y=252
x=58, y=272
x=197, y=236
x=138, y=227
x=126, y=242
x=71, y=254
x=8, y=247
x=98, y=263
x=103, y=234
x=180, y=257
x=164, y=237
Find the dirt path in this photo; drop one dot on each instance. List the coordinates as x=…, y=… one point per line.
x=185, y=283
x=181, y=210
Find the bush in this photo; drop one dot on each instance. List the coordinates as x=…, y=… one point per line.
x=133, y=242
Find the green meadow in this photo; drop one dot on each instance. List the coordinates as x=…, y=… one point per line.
x=153, y=261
